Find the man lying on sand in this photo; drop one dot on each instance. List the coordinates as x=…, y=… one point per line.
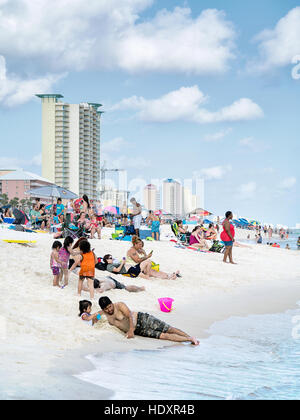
x=139, y=323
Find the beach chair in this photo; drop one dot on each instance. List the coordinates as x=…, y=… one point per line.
x=181, y=237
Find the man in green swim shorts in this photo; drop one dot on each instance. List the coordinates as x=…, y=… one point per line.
x=139, y=323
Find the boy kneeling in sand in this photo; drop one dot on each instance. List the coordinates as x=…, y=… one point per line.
x=139, y=323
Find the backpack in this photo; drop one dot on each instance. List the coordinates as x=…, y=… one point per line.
x=100, y=265
x=217, y=247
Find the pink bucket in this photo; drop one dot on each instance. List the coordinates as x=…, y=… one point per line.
x=165, y=304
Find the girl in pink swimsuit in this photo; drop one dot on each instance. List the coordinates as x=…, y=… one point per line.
x=64, y=256
x=55, y=262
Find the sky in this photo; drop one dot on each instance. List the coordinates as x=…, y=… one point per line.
x=190, y=89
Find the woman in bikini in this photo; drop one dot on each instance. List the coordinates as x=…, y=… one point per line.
x=137, y=255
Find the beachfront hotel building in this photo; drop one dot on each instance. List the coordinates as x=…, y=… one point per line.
x=173, y=197
x=151, y=197
x=111, y=197
x=71, y=144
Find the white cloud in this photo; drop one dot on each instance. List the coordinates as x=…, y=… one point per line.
x=126, y=162
x=112, y=153
x=114, y=145
x=278, y=46
x=17, y=163
x=213, y=173
x=288, y=183
x=15, y=91
x=186, y=104
x=37, y=160
x=176, y=41
x=67, y=35
x=247, y=142
x=268, y=170
x=217, y=136
x=246, y=191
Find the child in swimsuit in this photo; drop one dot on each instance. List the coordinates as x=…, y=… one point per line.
x=85, y=309
x=64, y=256
x=87, y=271
x=94, y=226
x=55, y=262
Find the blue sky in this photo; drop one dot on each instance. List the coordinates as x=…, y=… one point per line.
x=193, y=88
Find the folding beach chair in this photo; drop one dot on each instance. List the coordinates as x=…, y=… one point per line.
x=181, y=237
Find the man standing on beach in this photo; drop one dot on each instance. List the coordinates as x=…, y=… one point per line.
x=139, y=323
x=137, y=216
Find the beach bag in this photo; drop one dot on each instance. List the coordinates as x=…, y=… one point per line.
x=217, y=247
x=100, y=265
x=155, y=266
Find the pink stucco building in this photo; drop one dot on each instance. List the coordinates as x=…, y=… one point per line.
x=15, y=183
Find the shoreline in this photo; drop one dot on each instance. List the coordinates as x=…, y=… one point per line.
x=239, y=309
x=43, y=349
x=61, y=374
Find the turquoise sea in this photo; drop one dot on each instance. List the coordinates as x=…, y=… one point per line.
x=256, y=357
x=291, y=241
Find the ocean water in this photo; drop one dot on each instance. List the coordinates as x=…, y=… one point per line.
x=291, y=241
x=256, y=357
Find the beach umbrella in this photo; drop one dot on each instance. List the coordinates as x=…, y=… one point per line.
x=52, y=191
x=207, y=222
x=193, y=219
x=20, y=217
x=112, y=209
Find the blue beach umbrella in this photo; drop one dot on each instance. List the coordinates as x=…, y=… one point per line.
x=52, y=191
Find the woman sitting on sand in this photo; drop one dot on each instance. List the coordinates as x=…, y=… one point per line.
x=137, y=255
x=211, y=234
x=197, y=239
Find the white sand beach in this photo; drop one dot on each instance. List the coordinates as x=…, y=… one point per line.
x=43, y=341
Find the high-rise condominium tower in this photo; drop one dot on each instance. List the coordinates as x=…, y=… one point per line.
x=151, y=197
x=71, y=144
x=173, y=197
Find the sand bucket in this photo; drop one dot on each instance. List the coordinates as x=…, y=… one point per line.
x=165, y=304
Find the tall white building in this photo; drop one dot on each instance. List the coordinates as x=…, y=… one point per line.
x=188, y=200
x=71, y=144
x=115, y=198
x=173, y=197
x=151, y=197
